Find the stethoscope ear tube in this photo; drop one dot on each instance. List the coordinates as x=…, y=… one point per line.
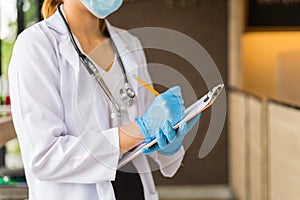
x=126, y=94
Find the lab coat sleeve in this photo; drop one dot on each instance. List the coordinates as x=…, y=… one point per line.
x=168, y=164
x=48, y=150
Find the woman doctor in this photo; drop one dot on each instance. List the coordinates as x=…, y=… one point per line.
x=69, y=142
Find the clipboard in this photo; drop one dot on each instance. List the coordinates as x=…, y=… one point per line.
x=193, y=110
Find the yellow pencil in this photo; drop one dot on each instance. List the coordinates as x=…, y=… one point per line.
x=151, y=89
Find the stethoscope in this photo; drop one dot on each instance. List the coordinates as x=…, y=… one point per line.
x=127, y=94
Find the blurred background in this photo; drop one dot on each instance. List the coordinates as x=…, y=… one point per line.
x=256, y=47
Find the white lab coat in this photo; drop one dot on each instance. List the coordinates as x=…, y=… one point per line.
x=63, y=157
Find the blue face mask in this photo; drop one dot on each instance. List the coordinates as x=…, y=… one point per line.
x=102, y=8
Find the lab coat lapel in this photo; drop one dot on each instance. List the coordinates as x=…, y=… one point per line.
x=70, y=55
x=65, y=46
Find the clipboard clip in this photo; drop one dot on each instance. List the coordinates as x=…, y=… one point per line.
x=212, y=95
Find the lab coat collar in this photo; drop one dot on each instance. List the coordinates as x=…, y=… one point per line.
x=56, y=23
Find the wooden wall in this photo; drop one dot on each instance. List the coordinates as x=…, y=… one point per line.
x=284, y=151
x=264, y=148
x=237, y=143
x=246, y=146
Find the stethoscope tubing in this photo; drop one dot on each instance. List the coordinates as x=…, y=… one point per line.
x=92, y=69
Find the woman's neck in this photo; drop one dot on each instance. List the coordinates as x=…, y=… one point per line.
x=84, y=25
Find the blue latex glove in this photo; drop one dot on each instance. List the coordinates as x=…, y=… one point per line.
x=166, y=106
x=168, y=141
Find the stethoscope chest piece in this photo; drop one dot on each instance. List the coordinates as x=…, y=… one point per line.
x=127, y=96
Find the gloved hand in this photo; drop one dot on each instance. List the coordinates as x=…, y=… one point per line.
x=166, y=106
x=168, y=141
